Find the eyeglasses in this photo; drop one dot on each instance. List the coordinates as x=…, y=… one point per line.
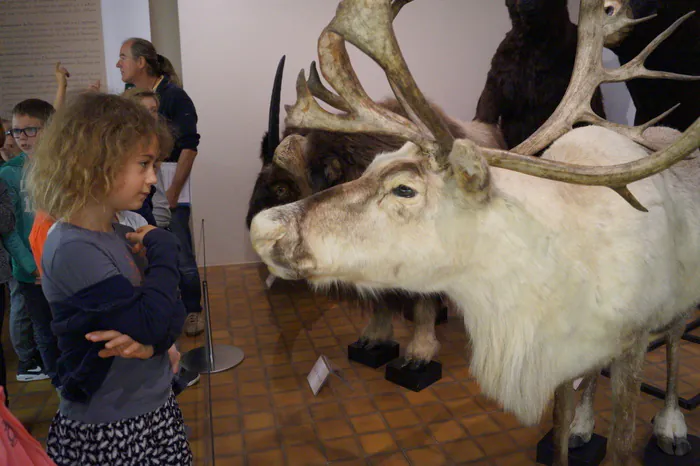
x=29, y=131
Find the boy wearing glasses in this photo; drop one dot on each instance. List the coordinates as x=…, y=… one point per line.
x=28, y=119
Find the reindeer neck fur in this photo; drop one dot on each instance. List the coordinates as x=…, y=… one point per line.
x=540, y=306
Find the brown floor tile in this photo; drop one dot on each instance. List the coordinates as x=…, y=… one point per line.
x=305, y=455
x=294, y=435
x=394, y=459
x=516, y=459
x=342, y=449
x=496, y=444
x=451, y=391
x=446, y=431
x=463, y=451
x=258, y=421
x=401, y=418
x=358, y=406
x=267, y=458
x=326, y=411
x=413, y=437
x=427, y=455
x=261, y=440
x=382, y=442
x=390, y=401
x=421, y=398
x=480, y=425
x=435, y=412
x=226, y=425
x=368, y=423
x=228, y=444
x=333, y=429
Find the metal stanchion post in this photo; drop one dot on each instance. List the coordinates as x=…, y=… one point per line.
x=210, y=358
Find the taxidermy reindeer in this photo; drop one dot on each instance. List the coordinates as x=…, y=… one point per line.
x=310, y=161
x=531, y=69
x=556, y=275
x=679, y=54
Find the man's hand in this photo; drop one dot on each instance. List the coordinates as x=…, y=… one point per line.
x=172, y=197
x=119, y=344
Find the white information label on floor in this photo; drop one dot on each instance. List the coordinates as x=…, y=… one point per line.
x=319, y=374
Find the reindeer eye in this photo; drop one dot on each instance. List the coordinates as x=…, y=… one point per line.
x=403, y=191
x=609, y=10
x=281, y=191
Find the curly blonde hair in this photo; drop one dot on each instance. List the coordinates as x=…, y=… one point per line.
x=83, y=149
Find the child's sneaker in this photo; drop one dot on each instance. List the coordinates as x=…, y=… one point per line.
x=31, y=371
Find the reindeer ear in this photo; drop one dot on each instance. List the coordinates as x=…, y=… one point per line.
x=291, y=156
x=470, y=168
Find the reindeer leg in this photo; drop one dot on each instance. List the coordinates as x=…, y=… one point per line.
x=584, y=419
x=669, y=425
x=563, y=414
x=380, y=330
x=626, y=379
x=424, y=345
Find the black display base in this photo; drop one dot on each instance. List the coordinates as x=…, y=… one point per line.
x=413, y=379
x=654, y=456
x=373, y=357
x=590, y=454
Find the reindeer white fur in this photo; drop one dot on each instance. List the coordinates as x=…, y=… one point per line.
x=555, y=280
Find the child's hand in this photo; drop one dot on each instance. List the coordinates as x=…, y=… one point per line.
x=174, y=356
x=62, y=75
x=94, y=86
x=119, y=344
x=139, y=250
x=139, y=234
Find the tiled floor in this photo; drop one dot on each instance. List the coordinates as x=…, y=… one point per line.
x=265, y=414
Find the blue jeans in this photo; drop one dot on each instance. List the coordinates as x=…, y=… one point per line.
x=190, y=286
x=21, y=329
x=40, y=313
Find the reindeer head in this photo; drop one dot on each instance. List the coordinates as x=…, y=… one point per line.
x=397, y=225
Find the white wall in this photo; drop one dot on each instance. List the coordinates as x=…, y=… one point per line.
x=121, y=19
x=230, y=50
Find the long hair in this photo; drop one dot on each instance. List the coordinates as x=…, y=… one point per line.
x=83, y=149
x=157, y=65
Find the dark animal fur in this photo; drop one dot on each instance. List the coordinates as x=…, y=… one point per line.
x=680, y=53
x=336, y=158
x=531, y=69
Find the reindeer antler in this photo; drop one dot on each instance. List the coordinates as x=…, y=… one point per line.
x=587, y=76
x=367, y=24
x=589, y=73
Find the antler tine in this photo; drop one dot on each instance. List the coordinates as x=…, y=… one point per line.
x=364, y=116
x=616, y=177
x=367, y=24
x=589, y=73
x=319, y=91
x=636, y=69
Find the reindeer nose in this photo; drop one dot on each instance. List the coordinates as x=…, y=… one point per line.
x=265, y=231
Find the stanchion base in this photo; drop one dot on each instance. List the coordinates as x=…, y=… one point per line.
x=225, y=357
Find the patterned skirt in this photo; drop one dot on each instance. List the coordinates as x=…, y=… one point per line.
x=155, y=438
